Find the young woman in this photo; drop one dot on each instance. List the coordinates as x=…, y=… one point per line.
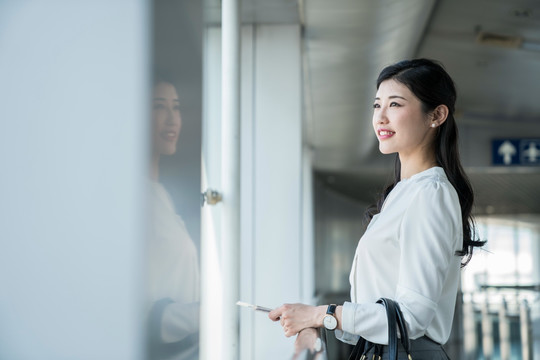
x=173, y=268
x=420, y=229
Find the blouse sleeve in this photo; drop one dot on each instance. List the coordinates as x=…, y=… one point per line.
x=429, y=236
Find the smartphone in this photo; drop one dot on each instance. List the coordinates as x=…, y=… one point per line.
x=253, y=307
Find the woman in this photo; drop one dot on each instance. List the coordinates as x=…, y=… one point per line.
x=419, y=230
x=173, y=268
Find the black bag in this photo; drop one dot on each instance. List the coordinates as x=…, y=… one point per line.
x=393, y=312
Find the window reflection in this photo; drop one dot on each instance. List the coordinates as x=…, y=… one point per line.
x=173, y=266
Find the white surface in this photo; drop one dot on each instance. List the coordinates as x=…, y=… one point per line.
x=73, y=153
x=277, y=182
x=211, y=280
x=230, y=177
x=273, y=267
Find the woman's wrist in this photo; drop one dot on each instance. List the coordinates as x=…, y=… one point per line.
x=308, y=330
x=320, y=312
x=338, y=314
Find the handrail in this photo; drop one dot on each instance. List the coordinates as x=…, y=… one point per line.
x=532, y=287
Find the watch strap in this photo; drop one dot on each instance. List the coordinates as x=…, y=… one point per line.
x=331, y=309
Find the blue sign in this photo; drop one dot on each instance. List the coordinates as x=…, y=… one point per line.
x=512, y=152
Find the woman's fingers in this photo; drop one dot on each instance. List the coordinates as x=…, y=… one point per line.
x=292, y=317
x=275, y=314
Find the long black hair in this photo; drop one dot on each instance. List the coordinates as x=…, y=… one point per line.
x=430, y=83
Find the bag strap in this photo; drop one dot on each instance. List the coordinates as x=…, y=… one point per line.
x=358, y=350
x=395, y=316
x=405, y=341
x=390, y=308
x=395, y=322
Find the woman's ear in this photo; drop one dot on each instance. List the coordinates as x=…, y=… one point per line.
x=439, y=115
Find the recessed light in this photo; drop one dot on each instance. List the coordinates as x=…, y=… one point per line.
x=500, y=40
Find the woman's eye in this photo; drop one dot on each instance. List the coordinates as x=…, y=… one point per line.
x=394, y=104
x=376, y=106
x=158, y=106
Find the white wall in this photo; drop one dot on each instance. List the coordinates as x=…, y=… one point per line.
x=276, y=241
x=73, y=158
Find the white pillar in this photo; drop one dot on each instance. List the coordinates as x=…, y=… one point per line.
x=277, y=176
x=230, y=176
x=273, y=255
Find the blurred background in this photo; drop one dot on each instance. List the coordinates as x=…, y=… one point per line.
x=163, y=159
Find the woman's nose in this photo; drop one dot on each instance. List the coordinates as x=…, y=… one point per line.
x=173, y=117
x=380, y=117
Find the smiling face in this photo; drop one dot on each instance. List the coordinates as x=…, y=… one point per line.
x=399, y=121
x=165, y=118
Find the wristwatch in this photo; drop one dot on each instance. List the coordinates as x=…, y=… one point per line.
x=329, y=320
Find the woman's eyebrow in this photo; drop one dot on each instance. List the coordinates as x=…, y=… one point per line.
x=396, y=97
x=163, y=99
x=393, y=97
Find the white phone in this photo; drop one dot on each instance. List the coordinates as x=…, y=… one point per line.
x=253, y=307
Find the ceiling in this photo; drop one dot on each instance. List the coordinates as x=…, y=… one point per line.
x=347, y=42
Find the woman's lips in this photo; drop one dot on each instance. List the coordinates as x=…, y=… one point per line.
x=169, y=135
x=385, y=134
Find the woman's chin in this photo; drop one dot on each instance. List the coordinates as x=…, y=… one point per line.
x=385, y=150
x=168, y=150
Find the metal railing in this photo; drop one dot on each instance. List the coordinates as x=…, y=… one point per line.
x=498, y=321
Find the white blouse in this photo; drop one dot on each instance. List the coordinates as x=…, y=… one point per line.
x=173, y=268
x=408, y=254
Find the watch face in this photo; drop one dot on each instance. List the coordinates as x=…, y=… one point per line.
x=330, y=322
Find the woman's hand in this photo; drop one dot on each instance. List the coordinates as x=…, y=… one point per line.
x=296, y=317
x=307, y=339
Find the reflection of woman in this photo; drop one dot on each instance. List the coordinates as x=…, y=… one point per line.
x=408, y=252
x=173, y=260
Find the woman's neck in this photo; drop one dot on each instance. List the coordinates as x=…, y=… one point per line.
x=414, y=165
x=154, y=168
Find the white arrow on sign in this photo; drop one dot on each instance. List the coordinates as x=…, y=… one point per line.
x=507, y=150
x=532, y=152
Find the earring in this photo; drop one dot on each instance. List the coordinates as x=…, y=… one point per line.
x=433, y=125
